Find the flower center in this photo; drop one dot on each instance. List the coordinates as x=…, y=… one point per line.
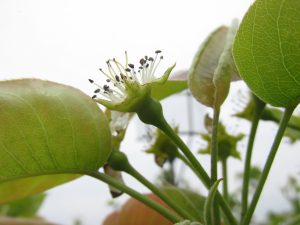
x=118, y=76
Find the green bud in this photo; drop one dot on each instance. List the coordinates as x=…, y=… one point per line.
x=119, y=161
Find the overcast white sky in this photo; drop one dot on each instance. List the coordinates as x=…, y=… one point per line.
x=68, y=40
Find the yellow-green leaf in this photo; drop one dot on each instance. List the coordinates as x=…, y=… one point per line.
x=47, y=128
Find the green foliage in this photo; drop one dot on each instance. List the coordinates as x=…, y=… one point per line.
x=266, y=51
x=204, y=64
x=274, y=115
x=47, y=129
x=189, y=200
x=25, y=208
x=213, y=68
x=52, y=133
x=169, y=88
x=209, y=203
x=291, y=192
x=163, y=148
x=227, y=143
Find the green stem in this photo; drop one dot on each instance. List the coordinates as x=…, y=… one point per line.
x=283, y=124
x=225, y=180
x=181, y=211
x=224, y=205
x=258, y=109
x=214, y=147
x=151, y=113
x=160, y=209
x=119, y=161
x=214, y=163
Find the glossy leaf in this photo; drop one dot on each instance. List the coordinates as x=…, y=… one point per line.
x=266, y=51
x=47, y=129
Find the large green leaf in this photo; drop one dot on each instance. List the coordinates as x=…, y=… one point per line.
x=267, y=51
x=47, y=129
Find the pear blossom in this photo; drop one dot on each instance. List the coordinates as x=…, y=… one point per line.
x=126, y=84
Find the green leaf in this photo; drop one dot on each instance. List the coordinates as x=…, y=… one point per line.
x=208, y=207
x=169, y=88
x=266, y=51
x=213, y=68
x=189, y=200
x=203, y=67
x=26, y=207
x=14, y=189
x=47, y=129
x=272, y=114
x=293, y=221
x=226, y=68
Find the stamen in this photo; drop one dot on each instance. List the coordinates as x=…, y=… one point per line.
x=118, y=74
x=111, y=69
x=156, y=65
x=106, y=88
x=142, y=61
x=109, y=76
x=126, y=59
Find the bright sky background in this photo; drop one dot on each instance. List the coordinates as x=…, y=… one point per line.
x=68, y=40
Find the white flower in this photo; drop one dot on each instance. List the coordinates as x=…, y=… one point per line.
x=118, y=121
x=127, y=85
